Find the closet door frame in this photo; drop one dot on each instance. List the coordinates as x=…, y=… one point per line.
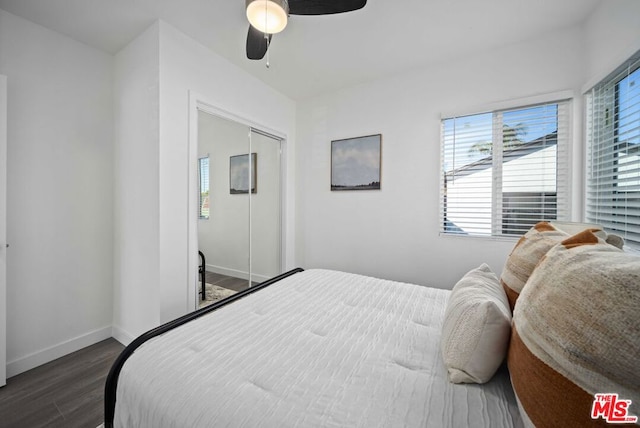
x=198, y=102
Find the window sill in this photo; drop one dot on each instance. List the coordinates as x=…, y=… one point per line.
x=480, y=237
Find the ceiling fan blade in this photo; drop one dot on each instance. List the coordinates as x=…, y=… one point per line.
x=324, y=7
x=257, y=44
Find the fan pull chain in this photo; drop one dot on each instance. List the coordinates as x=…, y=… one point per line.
x=267, y=50
x=266, y=36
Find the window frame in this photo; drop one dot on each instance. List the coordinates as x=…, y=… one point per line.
x=602, y=127
x=564, y=100
x=201, y=185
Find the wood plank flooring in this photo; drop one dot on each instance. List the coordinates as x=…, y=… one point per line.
x=67, y=392
x=228, y=282
x=225, y=281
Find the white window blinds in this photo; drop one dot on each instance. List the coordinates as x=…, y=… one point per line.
x=504, y=171
x=613, y=155
x=203, y=173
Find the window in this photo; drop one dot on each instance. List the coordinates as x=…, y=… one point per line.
x=613, y=156
x=203, y=172
x=504, y=171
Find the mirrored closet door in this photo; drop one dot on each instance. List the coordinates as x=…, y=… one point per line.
x=239, y=213
x=265, y=204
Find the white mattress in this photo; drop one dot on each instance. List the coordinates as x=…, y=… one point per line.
x=318, y=349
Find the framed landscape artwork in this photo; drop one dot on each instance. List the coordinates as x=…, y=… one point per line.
x=239, y=174
x=356, y=163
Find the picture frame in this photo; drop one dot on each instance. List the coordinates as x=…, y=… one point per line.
x=356, y=163
x=239, y=174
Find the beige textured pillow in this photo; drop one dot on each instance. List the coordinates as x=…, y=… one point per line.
x=576, y=333
x=476, y=328
x=615, y=240
x=573, y=228
x=526, y=254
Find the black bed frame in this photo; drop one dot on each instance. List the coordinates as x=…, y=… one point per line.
x=112, y=378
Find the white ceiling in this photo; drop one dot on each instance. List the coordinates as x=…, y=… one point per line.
x=316, y=54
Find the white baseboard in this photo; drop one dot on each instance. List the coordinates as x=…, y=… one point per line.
x=227, y=271
x=121, y=335
x=235, y=273
x=260, y=278
x=51, y=353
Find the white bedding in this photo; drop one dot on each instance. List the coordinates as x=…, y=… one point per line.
x=318, y=349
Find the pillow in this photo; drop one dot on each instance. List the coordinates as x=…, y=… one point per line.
x=572, y=228
x=615, y=240
x=526, y=254
x=476, y=327
x=576, y=333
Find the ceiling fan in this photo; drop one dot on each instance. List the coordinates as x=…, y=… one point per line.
x=268, y=17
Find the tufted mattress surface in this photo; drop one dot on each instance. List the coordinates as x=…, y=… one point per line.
x=318, y=349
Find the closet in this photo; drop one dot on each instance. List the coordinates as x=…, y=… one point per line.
x=239, y=202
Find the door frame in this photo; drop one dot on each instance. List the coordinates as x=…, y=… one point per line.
x=198, y=102
x=3, y=229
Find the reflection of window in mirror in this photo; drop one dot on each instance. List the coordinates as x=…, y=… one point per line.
x=203, y=171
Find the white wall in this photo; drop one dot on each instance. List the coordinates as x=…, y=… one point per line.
x=136, y=189
x=59, y=196
x=612, y=35
x=3, y=230
x=393, y=233
x=154, y=75
x=187, y=66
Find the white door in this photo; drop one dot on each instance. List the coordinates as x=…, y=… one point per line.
x=3, y=230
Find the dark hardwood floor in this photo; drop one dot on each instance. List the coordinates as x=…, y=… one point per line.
x=67, y=392
x=225, y=281
x=228, y=282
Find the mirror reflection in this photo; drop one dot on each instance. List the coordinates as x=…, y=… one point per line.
x=239, y=215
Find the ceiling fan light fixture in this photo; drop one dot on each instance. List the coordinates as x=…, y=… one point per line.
x=268, y=16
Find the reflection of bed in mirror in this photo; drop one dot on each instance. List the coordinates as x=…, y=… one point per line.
x=202, y=270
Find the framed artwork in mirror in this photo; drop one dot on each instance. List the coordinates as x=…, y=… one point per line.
x=239, y=173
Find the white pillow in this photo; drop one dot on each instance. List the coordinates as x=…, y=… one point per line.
x=476, y=328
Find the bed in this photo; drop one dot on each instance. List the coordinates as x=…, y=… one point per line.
x=321, y=348
x=317, y=348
